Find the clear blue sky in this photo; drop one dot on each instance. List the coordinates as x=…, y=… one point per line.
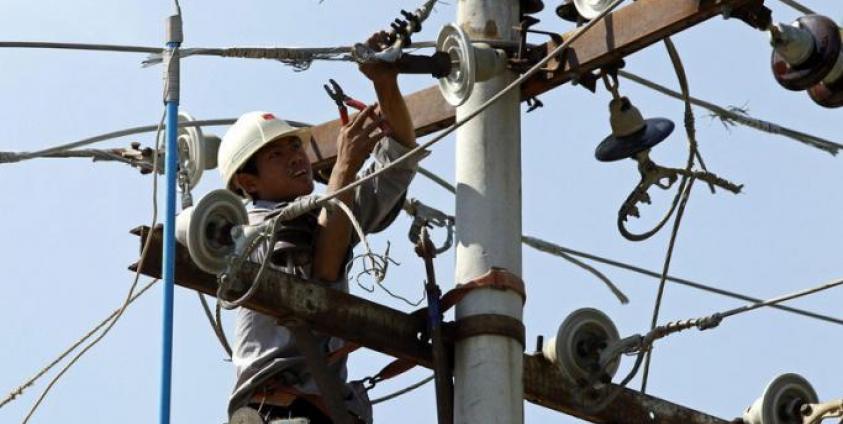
x=65, y=244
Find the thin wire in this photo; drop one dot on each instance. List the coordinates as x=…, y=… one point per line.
x=9, y=157
x=552, y=249
x=662, y=283
x=799, y=7
x=19, y=391
x=532, y=242
x=643, y=344
x=216, y=325
x=733, y=116
x=96, y=155
x=714, y=320
x=780, y=299
x=685, y=193
x=78, y=46
x=105, y=331
x=538, y=244
x=405, y=390
x=437, y=179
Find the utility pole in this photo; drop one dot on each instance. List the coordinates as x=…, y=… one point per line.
x=488, y=368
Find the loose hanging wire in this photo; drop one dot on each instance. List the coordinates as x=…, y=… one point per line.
x=545, y=247
x=125, y=305
x=20, y=389
x=216, y=324
x=662, y=283
x=684, y=192
x=378, y=264
x=403, y=391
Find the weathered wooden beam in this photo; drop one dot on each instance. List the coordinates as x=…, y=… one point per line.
x=395, y=333
x=623, y=32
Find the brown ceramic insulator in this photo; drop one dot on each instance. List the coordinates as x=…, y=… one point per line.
x=828, y=95
x=826, y=36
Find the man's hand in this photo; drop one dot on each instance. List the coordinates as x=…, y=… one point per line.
x=357, y=139
x=384, y=76
x=379, y=72
x=354, y=144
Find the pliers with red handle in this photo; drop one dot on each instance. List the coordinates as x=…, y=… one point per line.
x=343, y=101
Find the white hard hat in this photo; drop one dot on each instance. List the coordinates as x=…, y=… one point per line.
x=252, y=131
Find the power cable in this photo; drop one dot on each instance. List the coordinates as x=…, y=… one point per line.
x=78, y=46
x=683, y=195
x=11, y=157
x=216, y=324
x=405, y=390
x=775, y=301
x=799, y=7
x=19, y=391
x=552, y=248
x=662, y=282
x=122, y=309
x=731, y=116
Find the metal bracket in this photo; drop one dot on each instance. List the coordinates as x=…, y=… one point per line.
x=499, y=325
x=526, y=56
x=814, y=413
x=755, y=15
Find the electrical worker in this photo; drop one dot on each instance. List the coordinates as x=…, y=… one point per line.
x=262, y=158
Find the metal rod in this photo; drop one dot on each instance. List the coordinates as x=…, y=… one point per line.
x=442, y=370
x=171, y=99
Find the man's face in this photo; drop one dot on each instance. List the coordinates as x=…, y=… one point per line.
x=284, y=171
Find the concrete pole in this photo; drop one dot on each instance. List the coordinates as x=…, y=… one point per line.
x=488, y=368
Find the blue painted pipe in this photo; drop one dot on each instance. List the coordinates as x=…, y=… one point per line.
x=171, y=171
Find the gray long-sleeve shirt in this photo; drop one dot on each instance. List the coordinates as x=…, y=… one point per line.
x=264, y=350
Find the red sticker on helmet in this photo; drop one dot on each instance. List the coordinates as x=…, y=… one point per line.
x=268, y=116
